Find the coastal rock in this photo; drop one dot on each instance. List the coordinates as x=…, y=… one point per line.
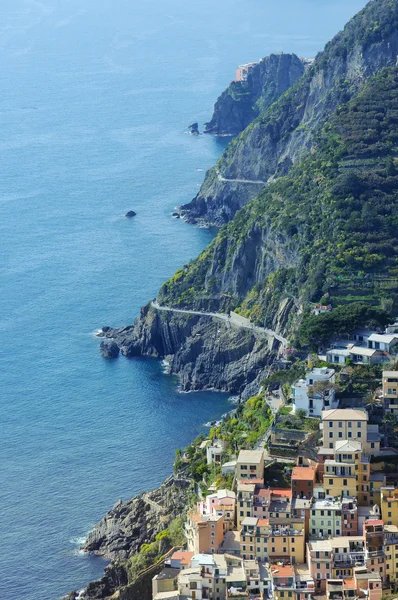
x=206, y=353
x=176, y=215
x=109, y=349
x=194, y=129
x=130, y=524
x=130, y=214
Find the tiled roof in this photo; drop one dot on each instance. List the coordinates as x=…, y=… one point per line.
x=303, y=473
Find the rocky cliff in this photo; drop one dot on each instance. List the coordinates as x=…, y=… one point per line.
x=130, y=524
x=282, y=133
x=243, y=101
x=205, y=352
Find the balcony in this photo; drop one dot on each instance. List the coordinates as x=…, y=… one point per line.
x=286, y=532
x=375, y=553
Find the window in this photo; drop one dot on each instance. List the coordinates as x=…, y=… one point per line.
x=344, y=481
x=273, y=549
x=359, y=425
x=350, y=434
x=359, y=434
x=330, y=481
x=340, y=434
x=340, y=424
x=349, y=424
x=293, y=550
x=330, y=424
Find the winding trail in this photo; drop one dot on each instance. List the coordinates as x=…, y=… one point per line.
x=235, y=320
x=252, y=181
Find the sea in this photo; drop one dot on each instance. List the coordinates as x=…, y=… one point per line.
x=95, y=101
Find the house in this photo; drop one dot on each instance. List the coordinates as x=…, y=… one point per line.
x=181, y=559
x=389, y=505
x=374, y=538
x=390, y=392
x=391, y=550
x=320, y=309
x=204, y=533
x=165, y=581
x=350, y=424
x=326, y=519
x=222, y=502
x=214, y=451
x=250, y=464
x=387, y=342
x=242, y=72
x=314, y=403
x=303, y=482
x=366, y=356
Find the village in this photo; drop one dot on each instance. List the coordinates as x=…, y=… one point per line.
x=303, y=513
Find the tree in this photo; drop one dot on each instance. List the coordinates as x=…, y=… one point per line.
x=301, y=413
x=322, y=390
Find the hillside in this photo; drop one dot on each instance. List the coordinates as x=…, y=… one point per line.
x=280, y=135
x=243, y=101
x=331, y=222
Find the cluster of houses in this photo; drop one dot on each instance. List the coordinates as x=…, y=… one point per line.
x=365, y=348
x=333, y=533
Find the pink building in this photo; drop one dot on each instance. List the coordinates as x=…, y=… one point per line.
x=222, y=502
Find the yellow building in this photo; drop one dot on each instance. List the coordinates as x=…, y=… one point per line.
x=250, y=465
x=266, y=541
x=390, y=392
x=389, y=505
x=391, y=551
x=352, y=425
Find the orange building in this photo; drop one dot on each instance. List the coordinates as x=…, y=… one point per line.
x=204, y=533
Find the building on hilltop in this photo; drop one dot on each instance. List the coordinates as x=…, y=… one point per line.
x=242, y=72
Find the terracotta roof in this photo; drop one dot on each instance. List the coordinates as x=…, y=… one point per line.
x=251, y=481
x=183, y=556
x=303, y=473
x=282, y=571
x=374, y=522
x=262, y=522
x=349, y=583
x=284, y=493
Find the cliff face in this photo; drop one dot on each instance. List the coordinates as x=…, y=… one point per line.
x=243, y=101
x=130, y=524
x=205, y=352
x=282, y=133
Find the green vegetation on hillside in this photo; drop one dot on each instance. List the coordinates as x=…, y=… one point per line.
x=337, y=210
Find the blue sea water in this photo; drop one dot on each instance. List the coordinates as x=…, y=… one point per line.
x=95, y=98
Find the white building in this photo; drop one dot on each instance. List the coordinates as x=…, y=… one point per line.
x=314, y=403
x=214, y=451
x=387, y=342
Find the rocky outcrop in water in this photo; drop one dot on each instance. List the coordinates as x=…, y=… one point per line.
x=243, y=101
x=281, y=135
x=109, y=349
